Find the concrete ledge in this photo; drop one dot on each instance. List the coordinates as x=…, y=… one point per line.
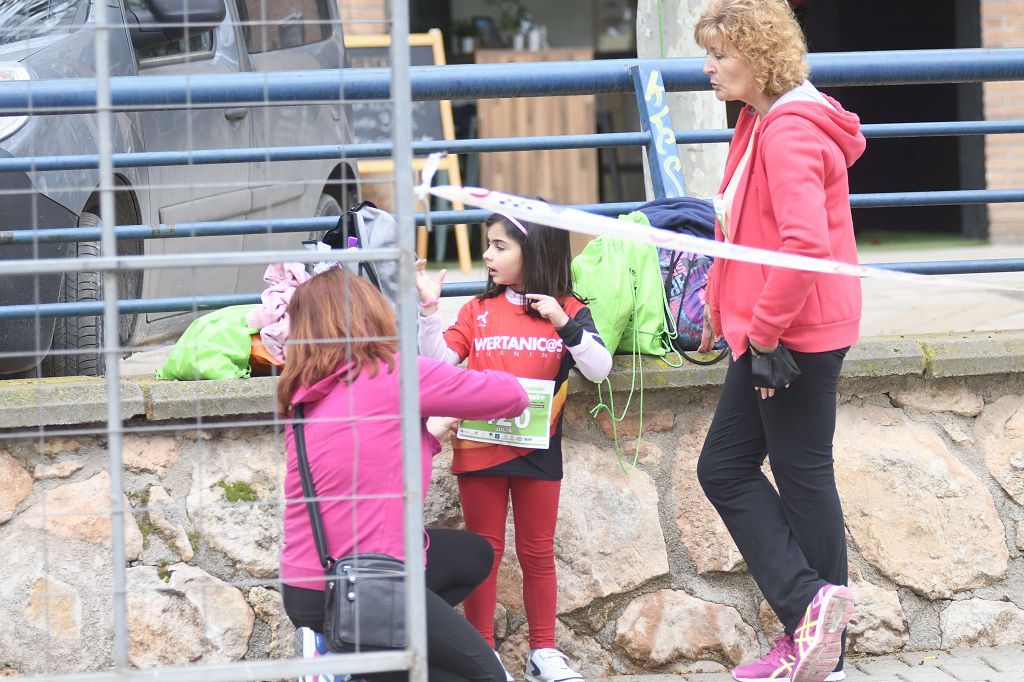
x=885, y=356
x=73, y=400
x=54, y=402
x=978, y=353
x=192, y=399
x=874, y=357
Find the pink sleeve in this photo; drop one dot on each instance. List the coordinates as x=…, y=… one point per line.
x=431, y=339
x=795, y=160
x=447, y=391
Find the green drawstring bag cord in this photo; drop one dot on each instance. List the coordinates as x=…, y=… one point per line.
x=610, y=406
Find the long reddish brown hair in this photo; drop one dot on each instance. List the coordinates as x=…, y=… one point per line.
x=336, y=319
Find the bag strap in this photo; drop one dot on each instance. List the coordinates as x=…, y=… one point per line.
x=610, y=407
x=367, y=271
x=316, y=522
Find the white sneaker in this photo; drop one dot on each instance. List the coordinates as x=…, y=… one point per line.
x=550, y=665
x=311, y=644
x=837, y=676
x=508, y=675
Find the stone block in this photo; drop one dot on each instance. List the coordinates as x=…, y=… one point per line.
x=954, y=355
x=925, y=675
x=884, y=356
x=190, y=399
x=980, y=622
x=654, y=372
x=71, y=400
x=916, y=513
x=609, y=539
x=1008, y=659
x=1000, y=434
x=667, y=625
x=926, y=658
x=882, y=667
x=967, y=669
x=15, y=485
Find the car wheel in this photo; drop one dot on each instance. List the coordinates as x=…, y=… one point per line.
x=77, y=348
x=326, y=206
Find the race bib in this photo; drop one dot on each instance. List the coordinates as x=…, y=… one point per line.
x=531, y=429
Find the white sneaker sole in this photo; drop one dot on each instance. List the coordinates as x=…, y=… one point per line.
x=836, y=676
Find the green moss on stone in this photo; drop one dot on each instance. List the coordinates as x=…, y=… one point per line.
x=237, y=491
x=145, y=527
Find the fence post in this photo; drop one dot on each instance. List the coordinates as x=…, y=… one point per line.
x=408, y=308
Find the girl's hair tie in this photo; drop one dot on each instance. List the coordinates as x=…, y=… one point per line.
x=514, y=222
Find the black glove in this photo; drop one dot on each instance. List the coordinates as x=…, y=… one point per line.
x=776, y=369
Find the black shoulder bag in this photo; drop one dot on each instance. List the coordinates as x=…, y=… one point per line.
x=364, y=602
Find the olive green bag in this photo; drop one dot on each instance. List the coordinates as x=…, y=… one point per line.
x=215, y=346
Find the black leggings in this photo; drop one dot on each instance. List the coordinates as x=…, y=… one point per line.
x=793, y=540
x=457, y=561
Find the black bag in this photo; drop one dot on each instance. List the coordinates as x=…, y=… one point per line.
x=364, y=603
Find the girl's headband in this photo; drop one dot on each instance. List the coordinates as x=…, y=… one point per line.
x=514, y=222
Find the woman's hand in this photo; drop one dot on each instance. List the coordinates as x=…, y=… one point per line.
x=549, y=309
x=708, y=336
x=430, y=290
x=771, y=366
x=442, y=428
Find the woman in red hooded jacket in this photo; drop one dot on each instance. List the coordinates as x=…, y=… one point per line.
x=785, y=189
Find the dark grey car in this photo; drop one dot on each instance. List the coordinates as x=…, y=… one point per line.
x=50, y=39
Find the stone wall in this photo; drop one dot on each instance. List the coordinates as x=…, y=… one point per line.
x=930, y=465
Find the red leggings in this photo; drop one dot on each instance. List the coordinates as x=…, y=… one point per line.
x=535, y=511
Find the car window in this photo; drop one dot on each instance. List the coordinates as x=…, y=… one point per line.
x=196, y=45
x=279, y=24
x=24, y=19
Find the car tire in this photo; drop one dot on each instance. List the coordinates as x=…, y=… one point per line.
x=325, y=206
x=77, y=347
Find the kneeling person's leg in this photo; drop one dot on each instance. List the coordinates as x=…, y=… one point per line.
x=455, y=650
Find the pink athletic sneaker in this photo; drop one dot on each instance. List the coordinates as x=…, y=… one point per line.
x=817, y=640
x=777, y=664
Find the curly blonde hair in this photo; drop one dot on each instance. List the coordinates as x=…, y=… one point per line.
x=764, y=33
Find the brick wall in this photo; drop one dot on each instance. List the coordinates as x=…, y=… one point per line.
x=354, y=12
x=1002, y=25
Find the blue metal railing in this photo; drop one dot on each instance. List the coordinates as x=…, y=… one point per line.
x=474, y=81
x=503, y=144
x=489, y=81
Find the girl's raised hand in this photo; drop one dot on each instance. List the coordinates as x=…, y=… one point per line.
x=430, y=290
x=548, y=309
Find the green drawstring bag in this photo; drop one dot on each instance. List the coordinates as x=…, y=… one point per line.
x=621, y=282
x=645, y=333
x=602, y=277
x=215, y=346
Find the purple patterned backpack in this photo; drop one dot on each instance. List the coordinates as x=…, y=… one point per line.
x=685, y=274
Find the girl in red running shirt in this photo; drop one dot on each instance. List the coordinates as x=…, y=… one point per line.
x=531, y=324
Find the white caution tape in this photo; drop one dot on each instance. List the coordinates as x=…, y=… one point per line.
x=575, y=220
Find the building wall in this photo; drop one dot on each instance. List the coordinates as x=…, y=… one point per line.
x=1002, y=25
x=354, y=12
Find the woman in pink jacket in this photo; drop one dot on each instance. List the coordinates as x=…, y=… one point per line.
x=785, y=189
x=343, y=368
